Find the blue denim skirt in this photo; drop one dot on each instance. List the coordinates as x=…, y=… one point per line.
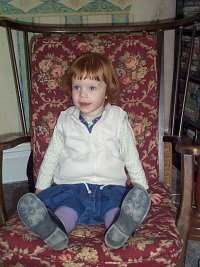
x=91, y=201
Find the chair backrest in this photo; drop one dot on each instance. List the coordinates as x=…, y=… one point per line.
x=134, y=57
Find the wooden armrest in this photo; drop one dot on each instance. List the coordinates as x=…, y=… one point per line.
x=13, y=139
x=183, y=145
x=171, y=138
x=188, y=149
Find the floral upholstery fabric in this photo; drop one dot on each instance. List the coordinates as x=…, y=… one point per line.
x=156, y=242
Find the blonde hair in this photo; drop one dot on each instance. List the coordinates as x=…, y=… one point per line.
x=94, y=66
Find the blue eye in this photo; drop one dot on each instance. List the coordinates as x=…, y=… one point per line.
x=76, y=87
x=92, y=88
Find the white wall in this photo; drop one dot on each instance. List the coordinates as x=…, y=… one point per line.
x=149, y=10
x=9, y=115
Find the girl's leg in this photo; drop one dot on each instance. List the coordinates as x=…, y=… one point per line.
x=35, y=215
x=68, y=217
x=110, y=216
x=133, y=211
x=37, y=212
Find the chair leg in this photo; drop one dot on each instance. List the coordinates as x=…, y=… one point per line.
x=29, y=172
x=2, y=204
x=184, y=216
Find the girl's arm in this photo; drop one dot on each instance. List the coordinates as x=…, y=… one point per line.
x=132, y=160
x=50, y=160
x=130, y=154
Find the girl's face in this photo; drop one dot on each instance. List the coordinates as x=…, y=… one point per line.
x=89, y=96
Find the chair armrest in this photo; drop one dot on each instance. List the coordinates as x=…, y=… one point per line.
x=183, y=145
x=8, y=141
x=171, y=138
x=13, y=139
x=187, y=148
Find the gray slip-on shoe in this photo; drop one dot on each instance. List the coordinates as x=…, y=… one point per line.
x=34, y=214
x=134, y=209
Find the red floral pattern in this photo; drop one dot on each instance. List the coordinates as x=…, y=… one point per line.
x=157, y=242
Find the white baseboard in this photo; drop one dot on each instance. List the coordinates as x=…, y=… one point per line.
x=15, y=163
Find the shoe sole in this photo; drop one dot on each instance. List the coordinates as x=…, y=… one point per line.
x=35, y=216
x=134, y=209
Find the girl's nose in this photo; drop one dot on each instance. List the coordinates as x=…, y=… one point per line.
x=83, y=92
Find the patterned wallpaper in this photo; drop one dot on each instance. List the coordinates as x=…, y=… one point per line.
x=69, y=11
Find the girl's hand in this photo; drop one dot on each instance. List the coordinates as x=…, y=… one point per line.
x=37, y=191
x=156, y=198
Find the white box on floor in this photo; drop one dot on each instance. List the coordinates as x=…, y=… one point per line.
x=15, y=163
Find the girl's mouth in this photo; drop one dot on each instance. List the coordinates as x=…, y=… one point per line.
x=84, y=104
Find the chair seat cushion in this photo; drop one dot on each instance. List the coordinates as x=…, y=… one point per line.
x=156, y=243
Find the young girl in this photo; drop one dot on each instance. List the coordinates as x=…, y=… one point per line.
x=82, y=178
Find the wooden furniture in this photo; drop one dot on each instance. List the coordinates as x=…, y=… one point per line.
x=191, y=116
x=194, y=232
x=157, y=243
x=187, y=147
x=186, y=104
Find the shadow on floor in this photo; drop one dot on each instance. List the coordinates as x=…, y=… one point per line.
x=12, y=193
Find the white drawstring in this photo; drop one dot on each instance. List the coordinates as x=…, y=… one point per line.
x=102, y=186
x=87, y=187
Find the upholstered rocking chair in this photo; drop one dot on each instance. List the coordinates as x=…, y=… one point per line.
x=137, y=60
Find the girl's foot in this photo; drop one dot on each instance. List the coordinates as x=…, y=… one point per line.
x=34, y=214
x=134, y=209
